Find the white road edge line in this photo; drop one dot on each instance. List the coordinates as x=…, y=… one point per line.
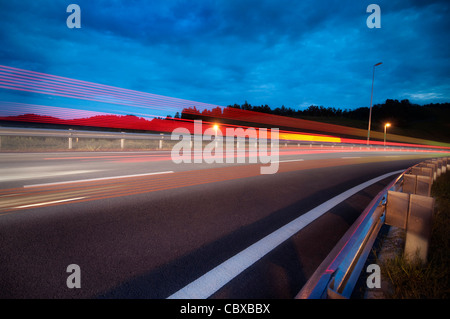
x=212, y=281
x=96, y=179
x=49, y=203
x=351, y=157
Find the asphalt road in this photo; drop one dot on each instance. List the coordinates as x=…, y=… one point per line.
x=140, y=226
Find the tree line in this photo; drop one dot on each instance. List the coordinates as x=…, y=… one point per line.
x=429, y=120
x=402, y=112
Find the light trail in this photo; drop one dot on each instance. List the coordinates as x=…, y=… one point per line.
x=15, y=199
x=36, y=82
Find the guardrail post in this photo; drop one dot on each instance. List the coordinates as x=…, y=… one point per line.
x=396, y=209
x=423, y=185
x=417, y=184
x=70, y=139
x=122, y=142
x=409, y=183
x=433, y=168
x=437, y=165
x=161, y=141
x=418, y=230
x=422, y=171
x=413, y=213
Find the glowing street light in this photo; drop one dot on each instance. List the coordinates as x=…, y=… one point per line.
x=371, y=98
x=385, y=127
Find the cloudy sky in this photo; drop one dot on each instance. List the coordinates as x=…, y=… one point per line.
x=276, y=52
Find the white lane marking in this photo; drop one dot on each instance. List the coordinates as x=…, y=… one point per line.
x=49, y=203
x=97, y=179
x=294, y=160
x=8, y=175
x=212, y=281
x=351, y=157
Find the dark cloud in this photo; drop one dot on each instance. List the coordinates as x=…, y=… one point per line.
x=277, y=52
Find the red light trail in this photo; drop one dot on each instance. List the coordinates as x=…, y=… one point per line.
x=294, y=129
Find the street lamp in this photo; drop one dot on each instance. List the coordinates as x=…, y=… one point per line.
x=371, y=98
x=385, y=127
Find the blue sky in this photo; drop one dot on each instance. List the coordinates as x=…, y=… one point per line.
x=275, y=52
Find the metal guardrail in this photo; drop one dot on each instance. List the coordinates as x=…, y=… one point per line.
x=337, y=275
x=71, y=134
x=8, y=131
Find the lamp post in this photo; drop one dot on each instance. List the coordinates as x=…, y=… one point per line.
x=385, y=127
x=371, y=99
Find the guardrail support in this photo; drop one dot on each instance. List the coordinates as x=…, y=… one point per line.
x=396, y=209
x=413, y=213
x=70, y=139
x=417, y=184
x=422, y=171
x=161, y=141
x=430, y=166
x=122, y=142
x=423, y=185
x=418, y=229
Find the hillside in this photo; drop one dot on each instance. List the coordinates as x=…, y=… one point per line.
x=430, y=122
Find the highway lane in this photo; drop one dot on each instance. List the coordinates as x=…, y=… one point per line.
x=149, y=236
x=19, y=169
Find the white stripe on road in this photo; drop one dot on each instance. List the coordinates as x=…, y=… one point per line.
x=218, y=277
x=97, y=179
x=286, y=161
x=9, y=175
x=351, y=157
x=50, y=203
